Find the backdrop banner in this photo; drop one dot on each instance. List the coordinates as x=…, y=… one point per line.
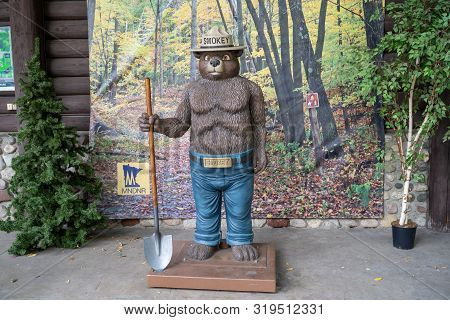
x=325, y=145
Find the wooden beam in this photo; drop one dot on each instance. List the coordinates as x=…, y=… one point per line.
x=80, y=122
x=26, y=24
x=71, y=85
x=68, y=67
x=4, y=12
x=67, y=29
x=68, y=48
x=4, y=100
x=439, y=181
x=65, y=10
x=8, y=123
x=77, y=104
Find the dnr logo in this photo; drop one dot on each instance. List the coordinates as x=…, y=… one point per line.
x=132, y=178
x=129, y=175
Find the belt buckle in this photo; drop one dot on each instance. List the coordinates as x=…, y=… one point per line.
x=218, y=163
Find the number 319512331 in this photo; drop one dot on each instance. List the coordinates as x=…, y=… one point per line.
x=283, y=308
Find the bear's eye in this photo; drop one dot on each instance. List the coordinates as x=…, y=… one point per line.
x=226, y=58
x=206, y=58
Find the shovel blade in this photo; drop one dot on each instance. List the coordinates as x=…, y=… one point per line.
x=158, y=258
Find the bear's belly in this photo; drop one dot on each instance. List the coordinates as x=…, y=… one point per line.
x=218, y=136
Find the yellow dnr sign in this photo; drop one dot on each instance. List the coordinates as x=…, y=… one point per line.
x=133, y=178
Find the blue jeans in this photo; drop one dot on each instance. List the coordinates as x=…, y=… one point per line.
x=235, y=185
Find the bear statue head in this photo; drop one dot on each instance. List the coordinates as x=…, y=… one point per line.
x=218, y=57
x=219, y=65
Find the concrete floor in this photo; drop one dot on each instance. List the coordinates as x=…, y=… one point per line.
x=312, y=264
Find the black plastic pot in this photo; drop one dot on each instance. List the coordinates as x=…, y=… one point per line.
x=403, y=236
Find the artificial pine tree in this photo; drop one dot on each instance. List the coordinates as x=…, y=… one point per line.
x=53, y=178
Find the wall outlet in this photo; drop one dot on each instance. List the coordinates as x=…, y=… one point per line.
x=11, y=107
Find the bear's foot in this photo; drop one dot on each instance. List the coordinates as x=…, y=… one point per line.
x=198, y=251
x=245, y=252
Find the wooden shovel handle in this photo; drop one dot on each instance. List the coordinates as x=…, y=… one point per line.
x=151, y=143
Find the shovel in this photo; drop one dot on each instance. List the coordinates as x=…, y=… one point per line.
x=157, y=247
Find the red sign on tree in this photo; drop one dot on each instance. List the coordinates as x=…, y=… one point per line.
x=312, y=100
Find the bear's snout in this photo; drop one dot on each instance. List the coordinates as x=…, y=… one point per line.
x=214, y=62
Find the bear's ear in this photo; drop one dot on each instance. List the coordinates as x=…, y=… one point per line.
x=197, y=54
x=238, y=53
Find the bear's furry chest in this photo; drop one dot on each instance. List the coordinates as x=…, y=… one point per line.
x=228, y=96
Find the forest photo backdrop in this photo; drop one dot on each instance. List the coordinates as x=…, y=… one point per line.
x=323, y=163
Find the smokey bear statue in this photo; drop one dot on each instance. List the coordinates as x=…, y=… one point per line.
x=226, y=115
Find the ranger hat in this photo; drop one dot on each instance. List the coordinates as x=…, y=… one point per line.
x=217, y=39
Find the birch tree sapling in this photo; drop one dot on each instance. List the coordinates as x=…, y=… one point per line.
x=412, y=84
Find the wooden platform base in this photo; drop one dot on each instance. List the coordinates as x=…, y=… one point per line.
x=220, y=272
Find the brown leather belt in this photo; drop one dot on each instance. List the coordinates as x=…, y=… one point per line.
x=222, y=162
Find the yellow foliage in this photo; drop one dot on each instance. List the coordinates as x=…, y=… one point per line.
x=135, y=38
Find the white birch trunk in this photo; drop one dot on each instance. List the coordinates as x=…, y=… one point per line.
x=403, y=213
x=409, y=151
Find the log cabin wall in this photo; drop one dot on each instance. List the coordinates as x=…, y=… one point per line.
x=66, y=57
x=67, y=54
x=63, y=29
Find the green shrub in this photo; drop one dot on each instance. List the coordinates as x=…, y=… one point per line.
x=362, y=191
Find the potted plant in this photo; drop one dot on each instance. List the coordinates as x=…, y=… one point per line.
x=410, y=86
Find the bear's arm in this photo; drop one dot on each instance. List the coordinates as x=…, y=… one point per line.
x=178, y=125
x=258, y=114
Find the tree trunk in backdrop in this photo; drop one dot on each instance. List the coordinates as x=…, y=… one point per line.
x=240, y=25
x=291, y=110
x=193, y=64
x=331, y=140
x=321, y=32
x=222, y=17
x=259, y=60
x=297, y=70
x=113, y=75
x=161, y=60
x=294, y=106
x=91, y=17
x=373, y=16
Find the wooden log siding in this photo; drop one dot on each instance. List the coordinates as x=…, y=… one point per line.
x=68, y=67
x=65, y=10
x=4, y=12
x=439, y=181
x=68, y=58
x=67, y=61
x=68, y=48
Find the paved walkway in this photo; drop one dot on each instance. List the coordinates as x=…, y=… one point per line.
x=312, y=264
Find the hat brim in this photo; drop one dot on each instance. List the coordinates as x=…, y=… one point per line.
x=218, y=49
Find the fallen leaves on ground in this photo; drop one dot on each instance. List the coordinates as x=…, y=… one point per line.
x=288, y=267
